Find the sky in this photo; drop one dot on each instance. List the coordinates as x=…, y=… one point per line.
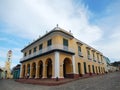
x=95, y=22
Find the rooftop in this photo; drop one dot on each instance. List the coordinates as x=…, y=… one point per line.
x=56, y=29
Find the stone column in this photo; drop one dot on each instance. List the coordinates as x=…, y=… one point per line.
x=37, y=70
x=31, y=70
x=44, y=70
x=26, y=71
x=57, y=65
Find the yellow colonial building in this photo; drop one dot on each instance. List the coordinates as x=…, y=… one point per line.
x=58, y=54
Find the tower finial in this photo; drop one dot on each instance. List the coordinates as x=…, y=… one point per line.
x=57, y=25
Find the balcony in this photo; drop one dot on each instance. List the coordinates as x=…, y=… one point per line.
x=99, y=62
x=89, y=57
x=48, y=49
x=80, y=53
x=94, y=60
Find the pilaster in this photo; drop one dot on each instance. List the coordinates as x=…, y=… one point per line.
x=37, y=71
x=73, y=61
x=57, y=65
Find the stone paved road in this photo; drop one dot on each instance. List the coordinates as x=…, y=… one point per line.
x=104, y=82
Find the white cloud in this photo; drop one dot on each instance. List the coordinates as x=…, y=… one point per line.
x=110, y=42
x=33, y=17
x=115, y=43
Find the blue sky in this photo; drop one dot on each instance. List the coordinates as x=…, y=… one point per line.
x=95, y=22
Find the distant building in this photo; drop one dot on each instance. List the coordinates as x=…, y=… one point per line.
x=58, y=54
x=107, y=64
x=116, y=64
x=2, y=73
x=16, y=72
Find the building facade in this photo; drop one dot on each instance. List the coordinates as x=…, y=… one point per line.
x=58, y=54
x=107, y=64
x=16, y=72
x=2, y=73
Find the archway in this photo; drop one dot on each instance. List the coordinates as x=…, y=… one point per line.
x=28, y=70
x=79, y=69
x=93, y=69
x=49, y=68
x=99, y=70
x=89, y=68
x=67, y=68
x=96, y=70
x=40, y=69
x=33, y=70
x=85, y=69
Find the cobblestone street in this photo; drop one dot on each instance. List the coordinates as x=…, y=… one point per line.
x=109, y=81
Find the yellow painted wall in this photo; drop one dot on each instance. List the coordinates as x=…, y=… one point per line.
x=43, y=59
x=62, y=58
x=58, y=39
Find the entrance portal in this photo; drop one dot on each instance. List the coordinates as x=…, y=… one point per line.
x=40, y=69
x=79, y=69
x=67, y=68
x=49, y=68
x=34, y=70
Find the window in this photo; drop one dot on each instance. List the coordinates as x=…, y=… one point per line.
x=8, y=59
x=49, y=43
x=98, y=58
x=79, y=51
x=79, y=48
x=88, y=54
x=25, y=54
x=35, y=48
x=94, y=56
x=40, y=46
x=29, y=52
x=101, y=58
x=65, y=42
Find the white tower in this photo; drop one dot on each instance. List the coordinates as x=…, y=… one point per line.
x=8, y=64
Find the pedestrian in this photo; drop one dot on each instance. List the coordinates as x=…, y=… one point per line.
x=28, y=75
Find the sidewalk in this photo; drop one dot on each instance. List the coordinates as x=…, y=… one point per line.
x=48, y=82
x=53, y=82
x=110, y=81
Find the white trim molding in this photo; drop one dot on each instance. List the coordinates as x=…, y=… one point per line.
x=73, y=61
x=57, y=65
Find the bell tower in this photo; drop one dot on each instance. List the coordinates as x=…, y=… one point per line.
x=8, y=64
